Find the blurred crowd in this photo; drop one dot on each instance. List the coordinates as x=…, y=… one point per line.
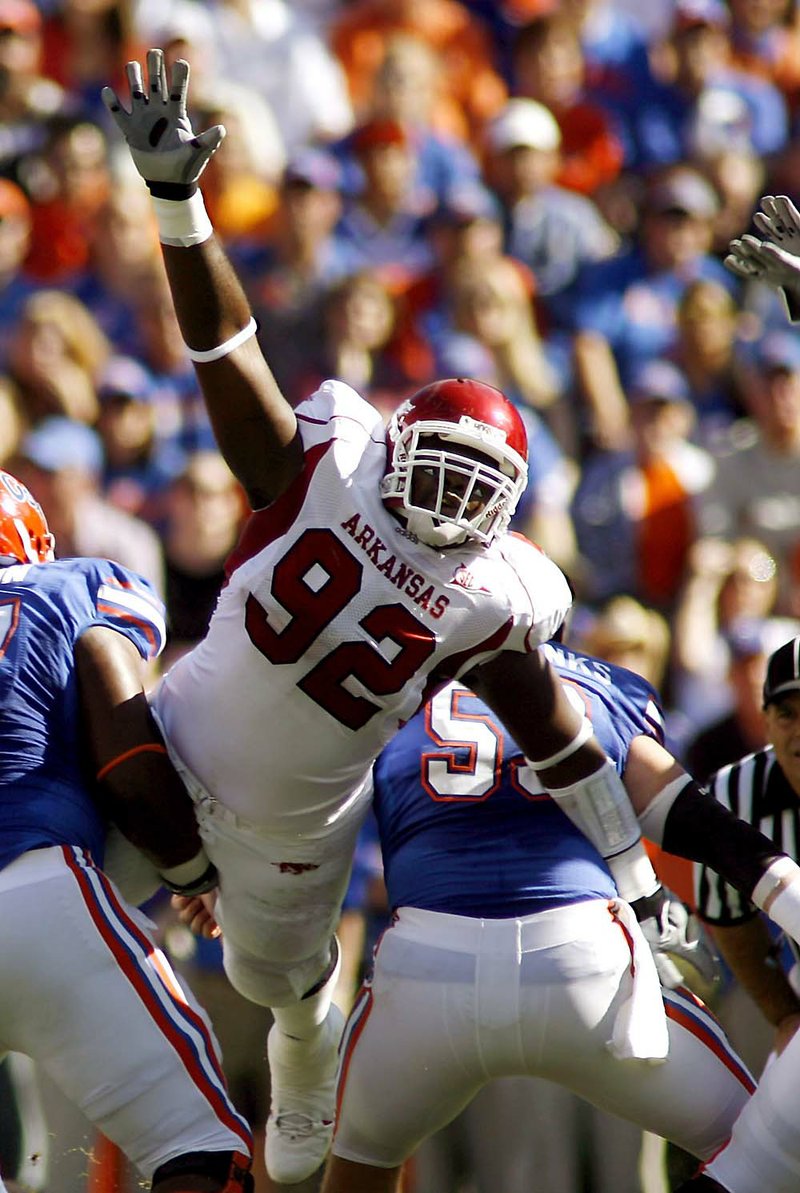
x=536, y=193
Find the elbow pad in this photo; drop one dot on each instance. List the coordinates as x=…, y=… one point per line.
x=688, y=821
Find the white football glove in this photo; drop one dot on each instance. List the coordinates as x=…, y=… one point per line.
x=665, y=924
x=161, y=140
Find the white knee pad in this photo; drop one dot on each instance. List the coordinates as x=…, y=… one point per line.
x=270, y=984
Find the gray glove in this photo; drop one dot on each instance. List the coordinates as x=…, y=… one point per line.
x=779, y=221
x=666, y=925
x=161, y=140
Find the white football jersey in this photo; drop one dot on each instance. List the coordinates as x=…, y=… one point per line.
x=334, y=625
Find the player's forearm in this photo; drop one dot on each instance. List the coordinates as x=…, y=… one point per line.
x=135, y=783
x=748, y=951
x=254, y=425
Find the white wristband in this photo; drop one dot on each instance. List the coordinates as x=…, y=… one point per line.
x=182, y=222
x=580, y=738
x=187, y=872
x=204, y=355
x=777, y=878
x=633, y=873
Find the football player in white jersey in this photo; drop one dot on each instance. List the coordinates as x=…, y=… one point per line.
x=376, y=566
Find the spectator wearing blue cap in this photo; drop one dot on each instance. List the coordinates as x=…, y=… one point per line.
x=288, y=273
x=624, y=311
x=756, y=490
x=62, y=461
x=138, y=464
x=634, y=510
x=706, y=106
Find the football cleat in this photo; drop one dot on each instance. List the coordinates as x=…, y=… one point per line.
x=303, y=1110
x=24, y=533
x=457, y=464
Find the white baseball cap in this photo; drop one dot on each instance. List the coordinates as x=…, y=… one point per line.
x=524, y=122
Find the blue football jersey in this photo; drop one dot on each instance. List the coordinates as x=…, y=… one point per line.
x=44, y=608
x=465, y=826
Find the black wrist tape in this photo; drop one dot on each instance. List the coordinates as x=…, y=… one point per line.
x=172, y=190
x=206, y=882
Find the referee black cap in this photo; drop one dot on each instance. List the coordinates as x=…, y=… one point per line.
x=783, y=671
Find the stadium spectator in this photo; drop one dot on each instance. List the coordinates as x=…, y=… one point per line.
x=356, y=344
x=765, y=41
x=473, y=89
x=27, y=96
x=467, y=226
x=554, y=231
x=204, y=509
x=625, y=309
x=123, y=251
x=491, y=304
x=138, y=464
x=268, y=46
x=406, y=88
x=549, y=67
x=56, y=356
x=288, y=273
x=85, y=44
x=628, y=634
x=634, y=511
x=63, y=459
x=68, y=182
x=755, y=490
x=706, y=105
x=16, y=284
x=740, y=730
x=383, y=226
x=726, y=583
x=706, y=351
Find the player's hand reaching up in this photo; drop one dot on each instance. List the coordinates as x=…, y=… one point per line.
x=163, y=145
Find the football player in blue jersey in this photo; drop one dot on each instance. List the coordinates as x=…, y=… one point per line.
x=86, y=992
x=509, y=951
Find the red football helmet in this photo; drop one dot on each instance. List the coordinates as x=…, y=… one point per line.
x=468, y=494
x=24, y=534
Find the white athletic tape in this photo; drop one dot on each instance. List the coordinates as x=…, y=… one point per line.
x=202, y=356
x=582, y=736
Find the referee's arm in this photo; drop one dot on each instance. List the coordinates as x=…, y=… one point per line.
x=747, y=948
x=740, y=933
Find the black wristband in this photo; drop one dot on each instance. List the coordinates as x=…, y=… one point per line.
x=206, y=882
x=172, y=190
x=649, y=907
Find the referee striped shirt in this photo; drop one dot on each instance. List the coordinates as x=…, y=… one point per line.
x=756, y=790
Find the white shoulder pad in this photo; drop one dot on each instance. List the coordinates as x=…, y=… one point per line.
x=335, y=410
x=538, y=592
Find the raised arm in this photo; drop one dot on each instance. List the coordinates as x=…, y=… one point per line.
x=775, y=260
x=254, y=424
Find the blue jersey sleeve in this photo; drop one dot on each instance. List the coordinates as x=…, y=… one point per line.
x=123, y=601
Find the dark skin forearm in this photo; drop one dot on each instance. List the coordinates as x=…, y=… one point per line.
x=531, y=701
x=143, y=795
x=253, y=423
